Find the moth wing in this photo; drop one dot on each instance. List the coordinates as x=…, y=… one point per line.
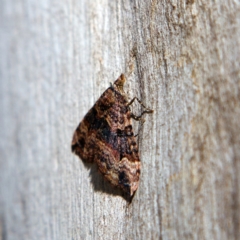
x=105, y=136
x=118, y=158
x=85, y=142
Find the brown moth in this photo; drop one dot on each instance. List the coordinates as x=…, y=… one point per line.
x=105, y=137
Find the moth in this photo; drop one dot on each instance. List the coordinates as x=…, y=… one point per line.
x=105, y=137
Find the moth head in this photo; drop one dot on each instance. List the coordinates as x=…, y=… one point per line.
x=120, y=82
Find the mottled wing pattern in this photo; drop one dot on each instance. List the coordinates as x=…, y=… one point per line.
x=105, y=136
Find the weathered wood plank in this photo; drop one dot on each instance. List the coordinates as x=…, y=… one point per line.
x=181, y=58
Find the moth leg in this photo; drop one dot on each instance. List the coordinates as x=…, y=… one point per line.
x=140, y=127
x=139, y=118
x=148, y=110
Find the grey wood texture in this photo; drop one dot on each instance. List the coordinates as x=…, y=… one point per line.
x=181, y=58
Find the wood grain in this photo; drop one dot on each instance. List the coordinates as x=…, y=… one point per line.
x=181, y=58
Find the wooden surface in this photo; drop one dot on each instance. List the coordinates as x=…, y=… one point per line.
x=181, y=58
